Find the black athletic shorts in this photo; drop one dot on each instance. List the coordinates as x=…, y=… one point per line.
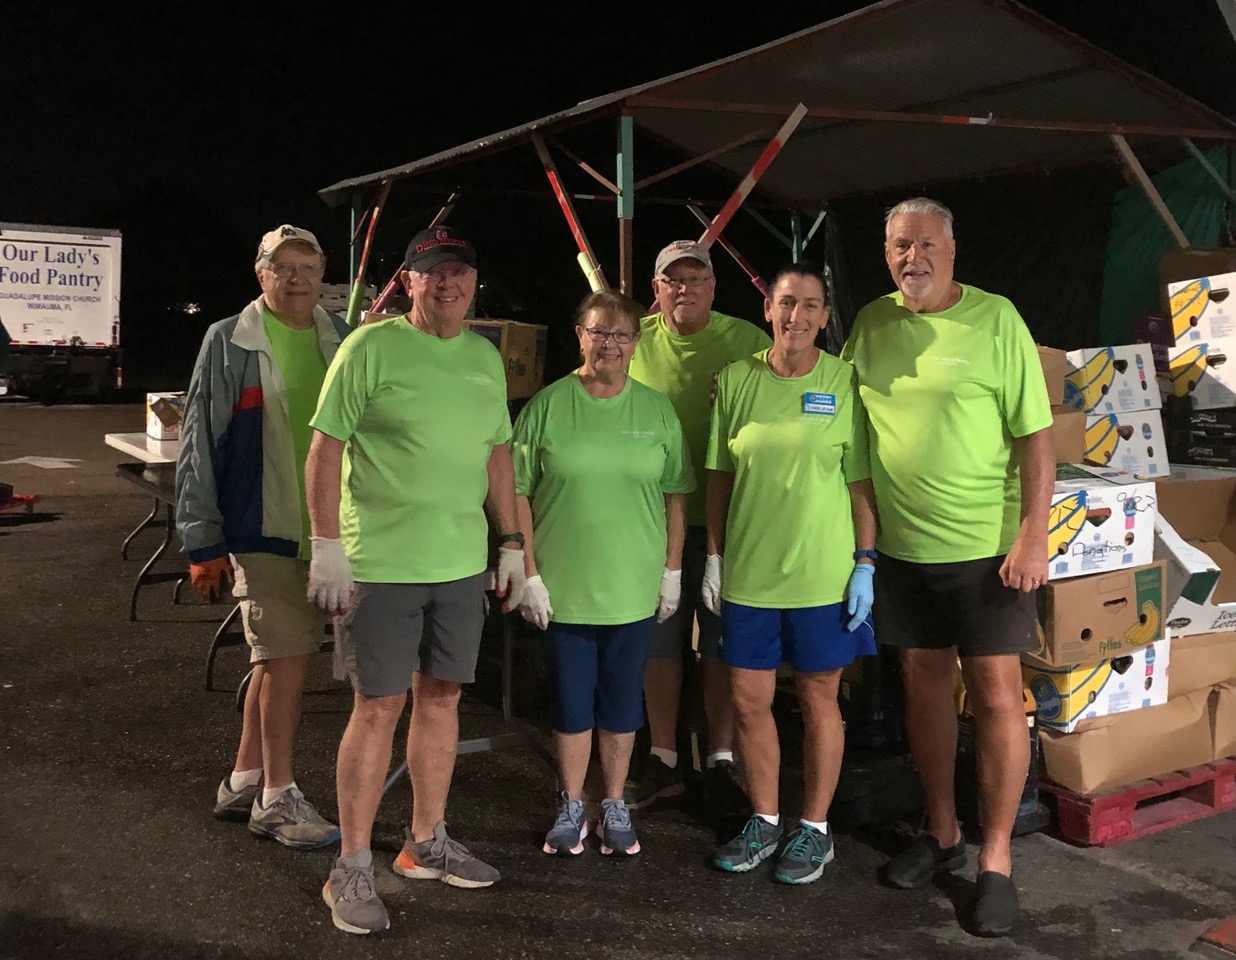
x=935, y=606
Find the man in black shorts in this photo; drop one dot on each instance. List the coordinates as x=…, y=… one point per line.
x=963, y=467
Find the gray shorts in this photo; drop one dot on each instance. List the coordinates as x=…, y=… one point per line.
x=397, y=629
x=670, y=638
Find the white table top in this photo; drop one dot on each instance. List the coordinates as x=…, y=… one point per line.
x=144, y=447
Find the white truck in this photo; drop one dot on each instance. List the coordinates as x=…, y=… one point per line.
x=60, y=306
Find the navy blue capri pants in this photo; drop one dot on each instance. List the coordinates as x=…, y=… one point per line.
x=596, y=675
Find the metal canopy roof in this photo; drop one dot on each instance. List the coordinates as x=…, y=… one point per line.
x=902, y=92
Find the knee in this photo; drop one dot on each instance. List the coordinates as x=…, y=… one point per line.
x=430, y=693
x=926, y=673
x=378, y=712
x=996, y=704
x=748, y=704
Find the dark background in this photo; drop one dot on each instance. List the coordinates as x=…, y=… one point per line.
x=195, y=130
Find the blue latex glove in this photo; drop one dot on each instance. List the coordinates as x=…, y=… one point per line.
x=860, y=594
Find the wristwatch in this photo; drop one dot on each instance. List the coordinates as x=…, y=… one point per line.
x=515, y=538
x=865, y=555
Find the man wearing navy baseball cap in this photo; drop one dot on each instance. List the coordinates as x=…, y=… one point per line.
x=413, y=414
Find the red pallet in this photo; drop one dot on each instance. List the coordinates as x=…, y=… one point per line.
x=1146, y=807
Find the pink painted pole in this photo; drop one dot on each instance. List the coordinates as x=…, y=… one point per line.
x=729, y=248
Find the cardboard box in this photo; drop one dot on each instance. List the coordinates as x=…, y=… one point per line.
x=1132, y=442
x=1201, y=309
x=164, y=411
x=1055, y=366
x=522, y=346
x=1068, y=433
x=1195, y=535
x=1223, y=722
x=1112, y=380
x=1153, y=328
x=1205, y=371
x=1090, y=619
x=1177, y=265
x=1200, y=662
x=1213, y=424
x=1201, y=450
x=1111, y=751
x=1100, y=519
x=1067, y=695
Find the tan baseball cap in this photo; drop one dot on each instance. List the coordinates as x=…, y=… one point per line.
x=282, y=234
x=681, y=250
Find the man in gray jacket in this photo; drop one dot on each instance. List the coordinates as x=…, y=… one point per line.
x=241, y=515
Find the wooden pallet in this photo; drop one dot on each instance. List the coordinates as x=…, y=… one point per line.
x=1146, y=807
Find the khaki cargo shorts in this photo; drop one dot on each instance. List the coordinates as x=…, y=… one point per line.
x=279, y=620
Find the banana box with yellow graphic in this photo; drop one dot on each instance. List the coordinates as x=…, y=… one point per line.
x=1201, y=309
x=1068, y=695
x=1090, y=619
x=1112, y=380
x=1132, y=442
x=1100, y=520
x=1195, y=536
x=1205, y=371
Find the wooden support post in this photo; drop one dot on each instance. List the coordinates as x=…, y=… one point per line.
x=1152, y=193
x=587, y=259
x=626, y=202
x=1209, y=168
x=739, y=259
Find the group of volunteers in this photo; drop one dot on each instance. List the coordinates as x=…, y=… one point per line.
x=693, y=485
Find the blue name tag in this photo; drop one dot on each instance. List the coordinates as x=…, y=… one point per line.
x=825, y=403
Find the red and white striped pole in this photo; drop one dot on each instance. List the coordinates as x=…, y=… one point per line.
x=761, y=164
x=729, y=248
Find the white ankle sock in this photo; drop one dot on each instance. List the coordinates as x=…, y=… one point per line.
x=773, y=818
x=270, y=794
x=244, y=778
x=822, y=826
x=667, y=757
x=715, y=758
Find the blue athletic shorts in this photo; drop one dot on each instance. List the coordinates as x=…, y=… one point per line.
x=810, y=639
x=596, y=675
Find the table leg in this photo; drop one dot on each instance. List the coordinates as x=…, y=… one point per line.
x=217, y=642
x=124, y=547
x=141, y=577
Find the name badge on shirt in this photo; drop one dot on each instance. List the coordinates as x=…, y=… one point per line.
x=822, y=403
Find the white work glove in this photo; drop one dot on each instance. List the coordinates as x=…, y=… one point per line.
x=671, y=593
x=711, y=590
x=330, y=577
x=534, y=606
x=510, y=584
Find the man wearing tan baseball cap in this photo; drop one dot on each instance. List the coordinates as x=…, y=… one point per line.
x=241, y=515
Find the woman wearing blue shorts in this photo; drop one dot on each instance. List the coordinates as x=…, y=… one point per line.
x=792, y=512
x=601, y=477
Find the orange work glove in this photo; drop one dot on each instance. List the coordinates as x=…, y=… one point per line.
x=211, y=577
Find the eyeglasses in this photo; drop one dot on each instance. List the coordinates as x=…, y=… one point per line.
x=621, y=337
x=456, y=271
x=689, y=283
x=285, y=271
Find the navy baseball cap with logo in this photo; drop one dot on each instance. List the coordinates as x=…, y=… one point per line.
x=438, y=245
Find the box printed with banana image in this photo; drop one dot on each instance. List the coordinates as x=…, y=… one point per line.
x=1066, y=696
x=1112, y=380
x=1100, y=520
x=1096, y=618
x=1132, y=442
x=1205, y=372
x=1201, y=310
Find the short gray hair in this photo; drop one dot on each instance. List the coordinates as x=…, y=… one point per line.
x=923, y=206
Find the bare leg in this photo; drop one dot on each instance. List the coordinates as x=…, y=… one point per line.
x=662, y=691
x=615, y=760
x=931, y=720
x=717, y=709
x=249, y=753
x=756, y=734
x=364, y=756
x=280, y=706
x=823, y=741
x=994, y=686
x=574, y=752
x=433, y=737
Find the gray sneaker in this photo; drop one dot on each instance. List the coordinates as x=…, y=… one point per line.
x=233, y=805
x=352, y=896
x=443, y=859
x=292, y=821
x=757, y=842
x=616, y=830
x=566, y=836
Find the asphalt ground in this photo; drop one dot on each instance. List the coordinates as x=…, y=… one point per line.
x=112, y=750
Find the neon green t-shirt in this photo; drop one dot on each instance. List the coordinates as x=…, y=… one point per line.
x=420, y=416
x=792, y=443
x=682, y=368
x=945, y=394
x=595, y=473
x=300, y=362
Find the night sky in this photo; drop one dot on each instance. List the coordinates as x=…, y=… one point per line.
x=194, y=130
